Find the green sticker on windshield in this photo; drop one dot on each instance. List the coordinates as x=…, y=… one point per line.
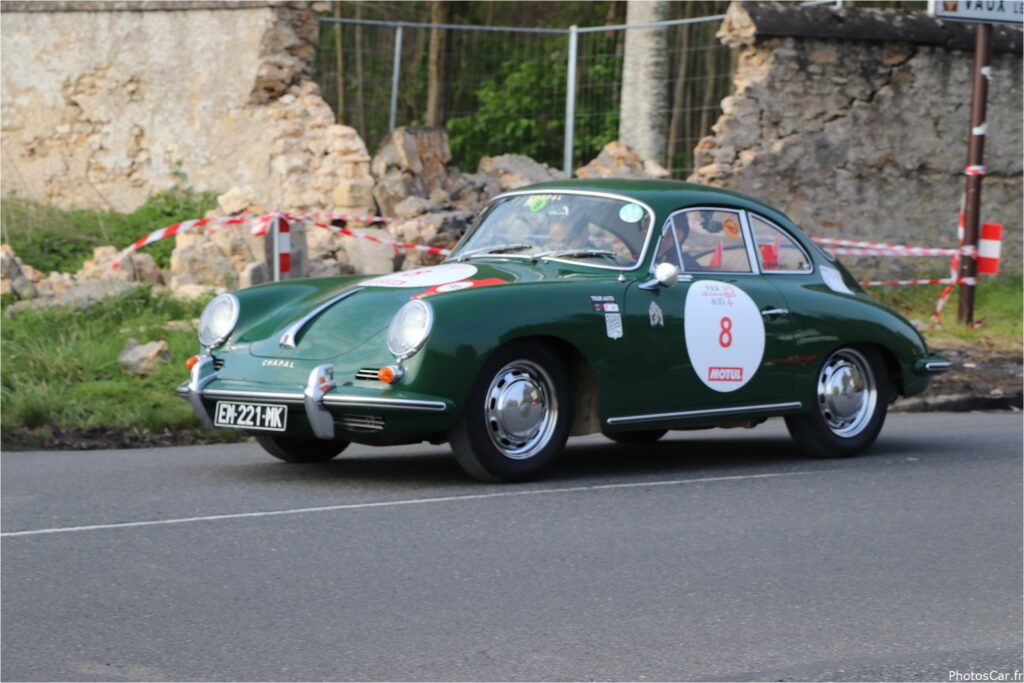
x=631, y=213
x=537, y=202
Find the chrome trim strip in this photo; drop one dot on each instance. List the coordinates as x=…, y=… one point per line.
x=254, y=395
x=774, y=311
x=290, y=336
x=381, y=402
x=321, y=380
x=748, y=234
x=938, y=366
x=333, y=399
x=590, y=193
x=657, y=417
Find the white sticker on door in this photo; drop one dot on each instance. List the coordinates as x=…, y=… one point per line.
x=724, y=334
x=424, y=277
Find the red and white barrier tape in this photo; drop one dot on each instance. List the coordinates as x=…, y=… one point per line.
x=925, y=281
x=209, y=225
x=861, y=248
x=407, y=246
x=263, y=223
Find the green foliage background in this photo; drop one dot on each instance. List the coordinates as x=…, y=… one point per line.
x=49, y=238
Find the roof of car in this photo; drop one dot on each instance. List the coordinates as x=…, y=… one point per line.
x=662, y=195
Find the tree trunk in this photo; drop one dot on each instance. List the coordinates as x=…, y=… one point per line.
x=360, y=97
x=675, y=125
x=339, y=67
x=435, y=68
x=643, y=103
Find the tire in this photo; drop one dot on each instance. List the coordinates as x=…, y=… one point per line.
x=494, y=440
x=290, y=449
x=844, y=420
x=641, y=438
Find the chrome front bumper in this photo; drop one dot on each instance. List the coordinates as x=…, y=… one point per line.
x=318, y=394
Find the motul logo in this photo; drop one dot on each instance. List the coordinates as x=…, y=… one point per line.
x=725, y=374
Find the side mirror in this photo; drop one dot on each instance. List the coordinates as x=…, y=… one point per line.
x=666, y=274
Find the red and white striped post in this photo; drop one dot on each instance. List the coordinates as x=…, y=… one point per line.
x=282, y=248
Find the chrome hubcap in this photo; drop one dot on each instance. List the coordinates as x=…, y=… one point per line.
x=846, y=393
x=521, y=409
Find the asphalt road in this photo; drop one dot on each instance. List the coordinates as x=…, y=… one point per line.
x=714, y=555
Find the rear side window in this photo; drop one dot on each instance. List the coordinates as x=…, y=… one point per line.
x=705, y=241
x=777, y=251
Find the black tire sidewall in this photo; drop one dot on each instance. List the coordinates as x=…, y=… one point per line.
x=470, y=440
x=810, y=430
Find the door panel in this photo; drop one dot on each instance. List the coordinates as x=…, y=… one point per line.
x=723, y=365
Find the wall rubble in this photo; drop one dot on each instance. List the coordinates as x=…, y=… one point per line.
x=104, y=104
x=861, y=135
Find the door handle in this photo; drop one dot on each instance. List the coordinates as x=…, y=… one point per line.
x=774, y=311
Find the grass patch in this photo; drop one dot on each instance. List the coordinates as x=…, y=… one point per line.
x=998, y=309
x=60, y=370
x=49, y=238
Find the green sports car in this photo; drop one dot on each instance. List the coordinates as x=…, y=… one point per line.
x=626, y=307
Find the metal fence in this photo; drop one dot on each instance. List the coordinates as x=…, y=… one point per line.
x=551, y=94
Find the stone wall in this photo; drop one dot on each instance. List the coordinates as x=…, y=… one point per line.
x=855, y=123
x=106, y=103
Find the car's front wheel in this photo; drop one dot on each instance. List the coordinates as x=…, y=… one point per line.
x=517, y=418
x=850, y=403
x=291, y=449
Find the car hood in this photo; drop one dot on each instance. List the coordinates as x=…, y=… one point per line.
x=365, y=306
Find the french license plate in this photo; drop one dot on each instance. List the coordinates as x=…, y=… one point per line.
x=266, y=416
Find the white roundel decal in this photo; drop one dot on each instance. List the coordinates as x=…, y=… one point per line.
x=424, y=277
x=724, y=334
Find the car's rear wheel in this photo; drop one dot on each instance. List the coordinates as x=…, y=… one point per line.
x=517, y=418
x=639, y=438
x=850, y=403
x=291, y=449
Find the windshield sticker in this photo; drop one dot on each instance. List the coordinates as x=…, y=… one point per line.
x=731, y=228
x=458, y=286
x=612, y=317
x=655, y=314
x=834, y=280
x=536, y=203
x=631, y=213
x=724, y=334
x=424, y=277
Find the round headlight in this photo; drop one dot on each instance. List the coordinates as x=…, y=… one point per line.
x=218, y=320
x=410, y=328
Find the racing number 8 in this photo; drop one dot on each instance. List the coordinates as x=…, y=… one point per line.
x=725, y=336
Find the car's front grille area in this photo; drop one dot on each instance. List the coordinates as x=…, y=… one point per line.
x=362, y=423
x=218, y=363
x=369, y=374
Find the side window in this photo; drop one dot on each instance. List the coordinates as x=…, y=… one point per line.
x=710, y=240
x=778, y=252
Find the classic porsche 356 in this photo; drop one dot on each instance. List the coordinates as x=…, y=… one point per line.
x=623, y=307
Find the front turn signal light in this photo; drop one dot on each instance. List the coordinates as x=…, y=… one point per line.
x=190, y=363
x=389, y=374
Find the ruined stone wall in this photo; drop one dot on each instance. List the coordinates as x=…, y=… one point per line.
x=106, y=103
x=862, y=132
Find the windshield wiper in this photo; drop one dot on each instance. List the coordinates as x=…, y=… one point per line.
x=571, y=253
x=495, y=249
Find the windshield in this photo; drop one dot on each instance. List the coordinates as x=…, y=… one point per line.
x=599, y=231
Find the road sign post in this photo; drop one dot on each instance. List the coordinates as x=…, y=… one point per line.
x=975, y=169
x=984, y=13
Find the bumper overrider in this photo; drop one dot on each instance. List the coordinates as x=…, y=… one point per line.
x=317, y=399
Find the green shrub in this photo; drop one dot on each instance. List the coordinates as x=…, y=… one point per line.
x=49, y=238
